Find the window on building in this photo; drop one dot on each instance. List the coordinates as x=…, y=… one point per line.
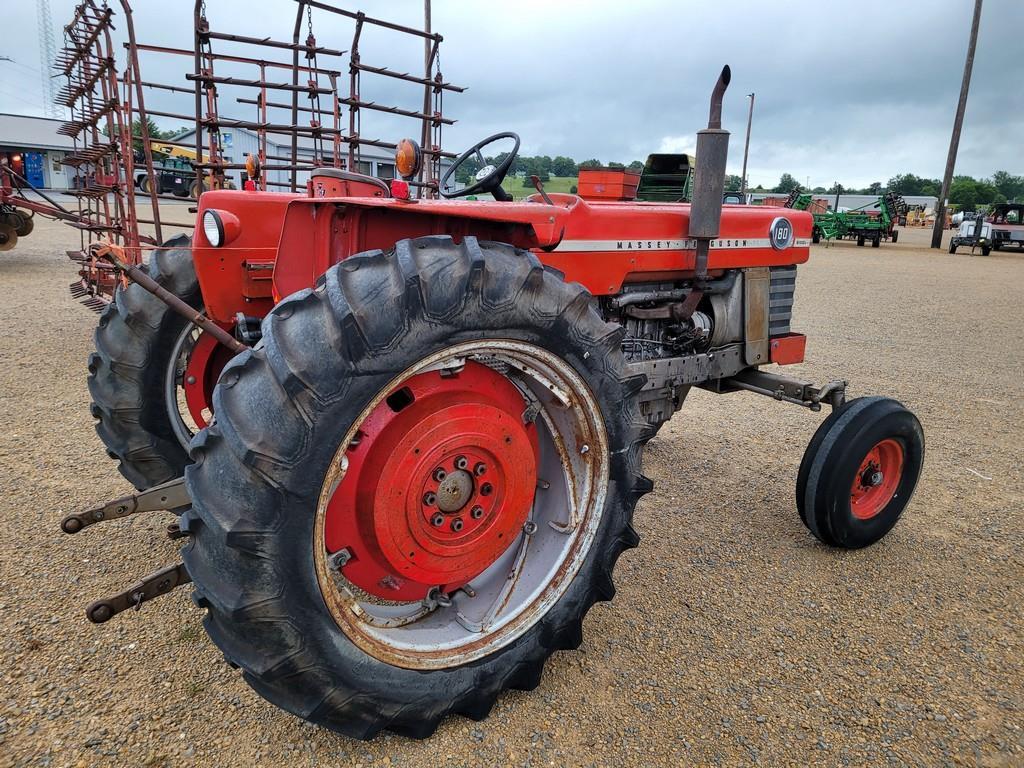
x=385, y=170
x=364, y=167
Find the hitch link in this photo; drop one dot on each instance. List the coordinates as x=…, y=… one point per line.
x=167, y=496
x=159, y=583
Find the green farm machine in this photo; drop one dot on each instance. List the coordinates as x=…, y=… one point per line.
x=861, y=224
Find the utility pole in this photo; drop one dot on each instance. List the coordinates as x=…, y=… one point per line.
x=746, y=148
x=954, y=142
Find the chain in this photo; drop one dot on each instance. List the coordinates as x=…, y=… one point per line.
x=309, y=18
x=202, y=9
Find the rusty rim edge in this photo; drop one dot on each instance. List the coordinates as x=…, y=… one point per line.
x=589, y=417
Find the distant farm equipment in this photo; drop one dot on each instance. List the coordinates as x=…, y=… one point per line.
x=1007, y=225
x=863, y=224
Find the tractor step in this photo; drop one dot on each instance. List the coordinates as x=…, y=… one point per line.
x=155, y=584
x=170, y=495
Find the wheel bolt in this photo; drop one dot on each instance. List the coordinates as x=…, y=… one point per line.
x=479, y=469
x=440, y=474
x=437, y=520
x=457, y=524
x=485, y=489
x=429, y=499
x=876, y=478
x=477, y=513
x=191, y=380
x=461, y=462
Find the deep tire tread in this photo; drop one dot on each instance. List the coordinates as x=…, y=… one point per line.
x=133, y=340
x=243, y=481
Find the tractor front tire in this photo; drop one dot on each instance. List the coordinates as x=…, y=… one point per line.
x=859, y=472
x=953, y=245
x=895, y=235
x=860, y=240
x=127, y=372
x=985, y=249
x=286, y=411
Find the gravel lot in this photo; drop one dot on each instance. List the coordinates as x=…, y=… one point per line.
x=734, y=639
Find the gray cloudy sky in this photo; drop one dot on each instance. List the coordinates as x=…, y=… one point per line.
x=841, y=95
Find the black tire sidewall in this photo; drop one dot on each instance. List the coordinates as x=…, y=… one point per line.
x=841, y=453
x=410, y=701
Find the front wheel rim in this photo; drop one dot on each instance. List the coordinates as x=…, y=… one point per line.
x=877, y=479
x=560, y=475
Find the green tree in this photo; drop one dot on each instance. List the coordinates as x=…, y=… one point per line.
x=636, y=165
x=786, y=184
x=836, y=189
x=963, y=193
x=1009, y=186
x=563, y=166
x=819, y=190
x=593, y=163
x=874, y=188
x=616, y=165
x=733, y=182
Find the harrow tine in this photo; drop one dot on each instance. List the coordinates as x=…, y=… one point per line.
x=167, y=496
x=155, y=584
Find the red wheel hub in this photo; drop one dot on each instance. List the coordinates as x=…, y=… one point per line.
x=439, y=483
x=205, y=364
x=877, y=479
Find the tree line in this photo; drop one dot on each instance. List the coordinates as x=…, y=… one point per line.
x=965, y=192
x=543, y=166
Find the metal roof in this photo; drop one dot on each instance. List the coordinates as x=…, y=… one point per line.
x=28, y=132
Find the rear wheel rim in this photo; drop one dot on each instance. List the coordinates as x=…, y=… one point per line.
x=196, y=362
x=877, y=479
x=526, y=476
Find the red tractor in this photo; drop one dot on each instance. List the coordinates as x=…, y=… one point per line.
x=403, y=437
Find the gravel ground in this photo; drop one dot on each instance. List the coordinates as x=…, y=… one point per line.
x=734, y=639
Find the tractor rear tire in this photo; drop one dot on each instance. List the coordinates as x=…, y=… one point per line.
x=876, y=242
x=860, y=240
x=127, y=372
x=835, y=505
x=985, y=249
x=285, y=410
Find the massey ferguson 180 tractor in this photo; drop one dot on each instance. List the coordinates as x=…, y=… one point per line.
x=403, y=436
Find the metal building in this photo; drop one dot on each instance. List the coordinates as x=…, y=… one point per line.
x=33, y=148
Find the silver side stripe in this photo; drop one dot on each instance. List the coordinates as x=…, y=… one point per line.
x=688, y=244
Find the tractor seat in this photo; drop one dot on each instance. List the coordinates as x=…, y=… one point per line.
x=336, y=182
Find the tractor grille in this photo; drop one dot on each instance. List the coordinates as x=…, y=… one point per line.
x=782, y=288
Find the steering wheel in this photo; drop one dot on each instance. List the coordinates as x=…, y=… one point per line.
x=489, y=177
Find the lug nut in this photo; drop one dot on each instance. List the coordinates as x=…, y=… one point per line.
x=461, y=462
x=479, y=469
x=437, y=520
x=440, y=474
x=485, y=489
x=457, y=524
x=429, y=499
x=477, y=513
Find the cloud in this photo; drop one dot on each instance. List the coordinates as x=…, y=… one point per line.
x=839, y=96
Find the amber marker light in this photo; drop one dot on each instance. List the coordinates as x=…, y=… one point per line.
x=408, y=158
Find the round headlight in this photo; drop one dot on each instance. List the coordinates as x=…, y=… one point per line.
x=213, y=228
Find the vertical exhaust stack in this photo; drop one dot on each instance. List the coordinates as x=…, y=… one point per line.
x=709, y=179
